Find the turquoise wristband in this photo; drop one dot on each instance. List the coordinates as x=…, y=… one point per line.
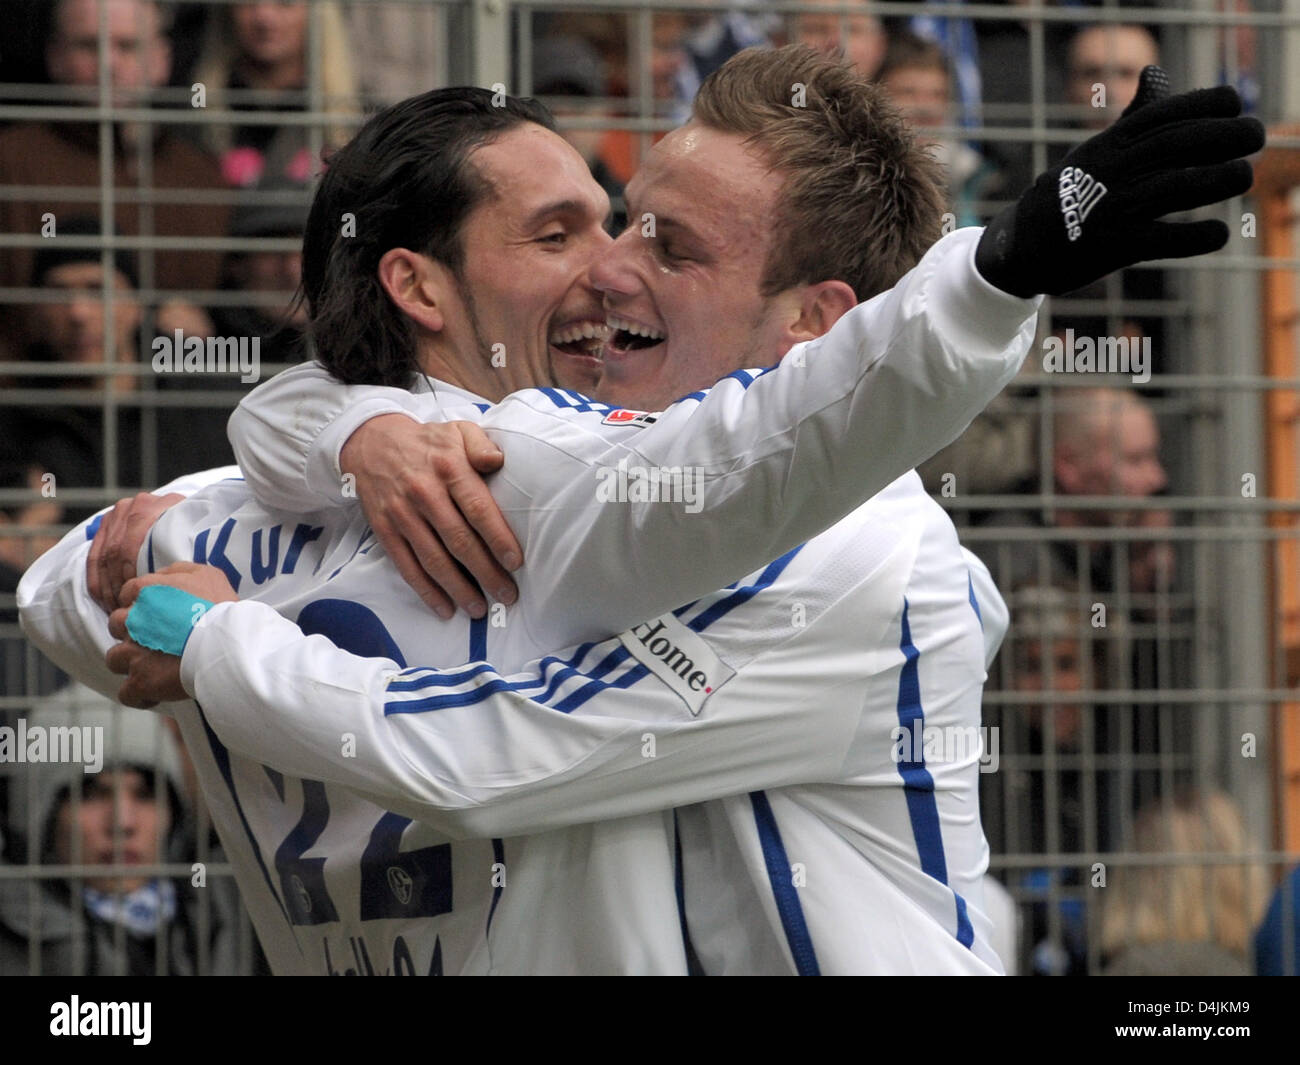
x=162, y=616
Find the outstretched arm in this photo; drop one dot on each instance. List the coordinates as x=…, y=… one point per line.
x=757, y=465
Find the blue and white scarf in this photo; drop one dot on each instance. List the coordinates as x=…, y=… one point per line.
x=141, y=912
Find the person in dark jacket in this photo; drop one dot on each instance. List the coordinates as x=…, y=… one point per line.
x=116, y=796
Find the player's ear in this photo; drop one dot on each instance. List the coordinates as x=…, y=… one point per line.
x=819, y=307
x=417, y=285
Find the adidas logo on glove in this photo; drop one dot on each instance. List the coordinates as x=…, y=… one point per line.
x=1163, y=153
x=1079, y=193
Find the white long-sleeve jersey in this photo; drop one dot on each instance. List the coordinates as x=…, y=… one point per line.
x=817, y=723
x=304, y=846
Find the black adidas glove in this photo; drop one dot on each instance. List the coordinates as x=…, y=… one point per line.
x=1096, y=212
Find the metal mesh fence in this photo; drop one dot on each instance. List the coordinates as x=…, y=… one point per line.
x=1140, y=522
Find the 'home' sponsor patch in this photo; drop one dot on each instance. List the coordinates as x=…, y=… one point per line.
x=678, y=657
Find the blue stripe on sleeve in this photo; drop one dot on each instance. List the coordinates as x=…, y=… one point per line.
x=970, y=584
x=438, y=679
x=918, y=785
x=783, y=889
x=451, y=699
x=965, y=932
x=595, y=687
x=424, y=678
x=94, y=525
x=743, y=595
x=478, y=639
x=541, y=678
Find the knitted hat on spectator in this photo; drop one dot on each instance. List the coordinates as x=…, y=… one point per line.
x=119, y=738
x=55, y=252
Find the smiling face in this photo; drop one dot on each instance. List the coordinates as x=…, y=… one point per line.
x=527, y=252
x=682, y=284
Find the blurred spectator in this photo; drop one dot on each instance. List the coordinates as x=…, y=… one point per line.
x=20, y=541
x=956, y=36
x=1105, y=442
x=67, y=153
x=1102, y=68
x=1277, y=942
x=720, y=36
x=1007, y=93
x=672, y=76
x=272, y=274
x=397, y=49
x=1103, y=64
x=570, y=76
x=255, y=60
x=22, y=59
x=1049, y=797
x=1049, y=651
x=688, y=47
x=860, y=36
x=130, y=811
x=189, y=20
x=918, y=77
x=24, y=535
x=1151, y=562
x=1238, y=46
x=1196, y=917
x=663, y=62
x=605, y=31
x=74, y=331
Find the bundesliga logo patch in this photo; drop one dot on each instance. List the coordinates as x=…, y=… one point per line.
x=1079, y=193
x=623, y=416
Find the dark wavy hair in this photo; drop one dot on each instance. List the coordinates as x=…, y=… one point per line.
x=406, y=181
